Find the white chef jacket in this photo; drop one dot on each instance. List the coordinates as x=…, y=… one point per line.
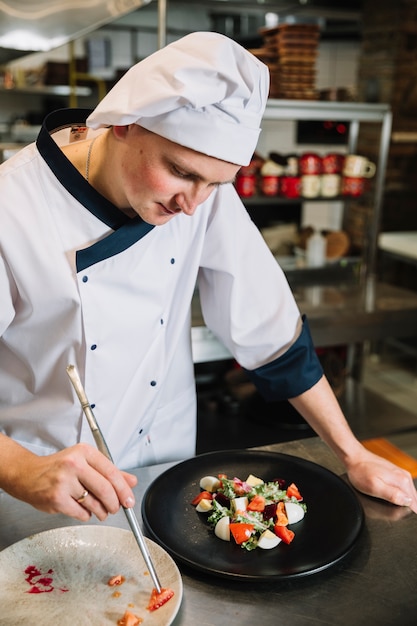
x=82, y=283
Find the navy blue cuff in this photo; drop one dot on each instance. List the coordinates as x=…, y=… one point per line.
x=291, y=374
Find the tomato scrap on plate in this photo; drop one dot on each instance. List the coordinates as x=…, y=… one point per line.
x=116, y=580
x=158, y=599
x=129, y=619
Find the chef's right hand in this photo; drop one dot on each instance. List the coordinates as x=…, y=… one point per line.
x=78, y=481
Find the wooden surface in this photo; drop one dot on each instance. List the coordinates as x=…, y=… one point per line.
x=387, y=450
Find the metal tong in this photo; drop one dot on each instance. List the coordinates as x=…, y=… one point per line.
x=102, y=446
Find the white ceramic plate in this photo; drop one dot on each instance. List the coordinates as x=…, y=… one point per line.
x=70, y=569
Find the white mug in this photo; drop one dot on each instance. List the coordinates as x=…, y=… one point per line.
x=291, y=168
x=357, y=166
x=331, y=185
x=310, y=186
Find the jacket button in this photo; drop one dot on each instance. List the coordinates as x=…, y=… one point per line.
x=153, y=383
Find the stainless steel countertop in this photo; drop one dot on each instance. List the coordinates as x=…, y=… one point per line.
x=373, y=585
x=402, y=245
x=350, y=313
x=346, y=313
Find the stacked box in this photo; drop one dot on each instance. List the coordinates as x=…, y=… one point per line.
x=290, y=51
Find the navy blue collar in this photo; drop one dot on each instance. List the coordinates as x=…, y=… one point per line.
x=127, y=230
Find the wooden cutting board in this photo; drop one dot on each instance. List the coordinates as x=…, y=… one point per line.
x=388, y=451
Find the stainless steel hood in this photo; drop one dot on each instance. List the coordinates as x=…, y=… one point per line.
x=31, y=26
x=27, y=26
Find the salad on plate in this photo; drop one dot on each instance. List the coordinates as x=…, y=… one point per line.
x=254, y=513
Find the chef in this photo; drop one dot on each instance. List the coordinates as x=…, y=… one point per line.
x=107, y=223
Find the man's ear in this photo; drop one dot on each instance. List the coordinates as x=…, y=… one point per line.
x=120, y=132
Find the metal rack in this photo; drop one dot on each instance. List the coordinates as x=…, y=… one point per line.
x=361, y=313
x=355, y=113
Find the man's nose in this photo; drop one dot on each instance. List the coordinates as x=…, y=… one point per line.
x=186, y=205
x=189, y=201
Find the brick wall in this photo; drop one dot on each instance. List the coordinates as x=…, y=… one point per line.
x=387, y=73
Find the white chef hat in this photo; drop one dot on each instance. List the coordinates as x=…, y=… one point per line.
x=204, y=91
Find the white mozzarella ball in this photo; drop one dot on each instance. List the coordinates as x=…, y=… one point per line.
x=222, y=529
x=295, y=512
x=209, y=483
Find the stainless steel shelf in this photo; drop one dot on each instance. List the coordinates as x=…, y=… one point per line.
x=259, y=199
x=322, y=110
x=355, y=113
x=343, y=312
x=338, y=314
x=51, y=90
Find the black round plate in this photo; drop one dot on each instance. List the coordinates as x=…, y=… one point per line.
x=326, y=534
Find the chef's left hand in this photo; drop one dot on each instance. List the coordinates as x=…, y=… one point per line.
x=377, y=477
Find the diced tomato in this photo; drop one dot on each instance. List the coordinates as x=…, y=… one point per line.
x=206, y=495
x=220, y=477
x=241, y=532
x=284, y=533
x=281, y=515
x=158, y=599
x=292, y=492
x=256, y=504
x=129, y=619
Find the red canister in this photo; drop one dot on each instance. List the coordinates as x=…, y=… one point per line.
x=246, y=185
x=353, y=186
x=310, y=164
x=291, y=186
x=332, y=163
x=270, y=185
